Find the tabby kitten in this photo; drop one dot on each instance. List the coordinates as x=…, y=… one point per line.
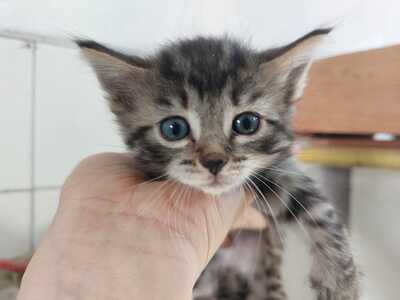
x=214, y=114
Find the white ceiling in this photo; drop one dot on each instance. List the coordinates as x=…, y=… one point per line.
x=141, y=24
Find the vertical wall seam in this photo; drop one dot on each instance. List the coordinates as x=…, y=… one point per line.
x=33, y=146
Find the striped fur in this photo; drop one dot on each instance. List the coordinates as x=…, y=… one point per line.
x=209, y=82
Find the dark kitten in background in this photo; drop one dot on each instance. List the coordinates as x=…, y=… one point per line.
x=214, y=114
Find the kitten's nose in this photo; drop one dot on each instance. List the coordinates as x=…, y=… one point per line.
x=214, y=162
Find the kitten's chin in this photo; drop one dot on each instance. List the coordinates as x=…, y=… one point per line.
x=214, y=189
x=217, y=190
x=220, y=188
x=211, y=186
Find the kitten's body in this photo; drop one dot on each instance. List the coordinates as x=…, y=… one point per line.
x=214, y=114
x=333, y=275
x=247, y=270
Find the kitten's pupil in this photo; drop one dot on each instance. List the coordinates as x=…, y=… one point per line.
x=174, y=128
x=246, y=123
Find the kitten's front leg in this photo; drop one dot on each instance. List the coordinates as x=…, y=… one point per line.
x=334, y=275
x=267, y=283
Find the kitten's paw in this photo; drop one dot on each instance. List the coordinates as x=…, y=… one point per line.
x=341, y=290
x=328, y=294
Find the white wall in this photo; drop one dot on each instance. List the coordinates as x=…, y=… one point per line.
x=375, y=236
x=361, y=24
x=375, y=226
x=52, y=115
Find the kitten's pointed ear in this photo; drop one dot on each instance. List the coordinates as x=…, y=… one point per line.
x=288, y=66
x=117, y=72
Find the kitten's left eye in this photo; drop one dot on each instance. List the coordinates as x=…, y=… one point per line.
x=246, y=123
x=174, y=128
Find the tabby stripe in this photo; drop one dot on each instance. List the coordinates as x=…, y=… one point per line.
x=183, y=97
x=137, y=135
x=161, y=101
x=300, y=201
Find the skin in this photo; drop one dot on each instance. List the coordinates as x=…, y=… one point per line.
x=116, y=237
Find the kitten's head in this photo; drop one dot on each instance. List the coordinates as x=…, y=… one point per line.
x=205, y=112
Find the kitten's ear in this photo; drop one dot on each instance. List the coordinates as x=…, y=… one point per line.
x=117, y=72
x=288, y=66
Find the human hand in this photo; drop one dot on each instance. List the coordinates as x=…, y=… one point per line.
x=115, y=236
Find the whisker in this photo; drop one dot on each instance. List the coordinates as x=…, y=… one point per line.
x=170, y=210
x=282, y=171
x=153, y=200
x=240, y=230
x=208, y=233
x=133, y=187
x=151, y=180
x=260, y=208
x=171, y=203
x=210, y=222
x=291, y=195
x=258, y=245
x=178, y=212
x=270, y=209
x=297, y=220
x=287, y=207
x=217, y=208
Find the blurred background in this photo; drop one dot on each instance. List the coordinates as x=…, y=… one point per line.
x=52, y=113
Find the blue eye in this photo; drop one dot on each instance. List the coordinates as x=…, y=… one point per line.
x=246, y=123
x=174, y=129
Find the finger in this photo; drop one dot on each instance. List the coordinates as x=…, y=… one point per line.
x=250, y=219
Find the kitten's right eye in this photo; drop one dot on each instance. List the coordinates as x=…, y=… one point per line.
x=174, y=129
x=246, y=123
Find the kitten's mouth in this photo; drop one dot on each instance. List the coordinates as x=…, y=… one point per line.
x=210, y=184
x=216, y=181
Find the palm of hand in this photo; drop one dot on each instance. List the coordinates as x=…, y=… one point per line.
x=107, y=213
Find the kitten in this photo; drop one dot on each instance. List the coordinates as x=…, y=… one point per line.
x=247, y=269
x=214, y=114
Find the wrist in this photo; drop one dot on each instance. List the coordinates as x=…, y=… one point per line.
x=99, y=266
x=143, y=277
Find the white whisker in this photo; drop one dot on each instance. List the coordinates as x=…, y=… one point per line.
x=258, y=245
x=308, y=235
x=149, y=204
x=270, y=209
x=291, y=195
x=287, y=207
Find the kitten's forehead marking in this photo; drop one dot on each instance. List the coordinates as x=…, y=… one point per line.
x=194, y=123
x=265, y=104
x=214, y=120
x=229, y=115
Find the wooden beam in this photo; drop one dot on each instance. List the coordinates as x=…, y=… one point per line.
x=348, y=157
x=353, y=94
